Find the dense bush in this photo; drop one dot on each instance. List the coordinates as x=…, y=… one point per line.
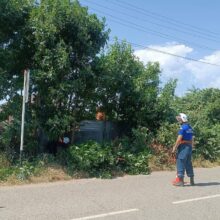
x=167, y=134
x=133, y=153
x=90, y=157
x=208, y=145
x=105, y=159
x=141, y=139
x=134, y=163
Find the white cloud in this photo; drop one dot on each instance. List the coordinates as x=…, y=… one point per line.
x=170, y=65
x=187, y=72
x=204, y=74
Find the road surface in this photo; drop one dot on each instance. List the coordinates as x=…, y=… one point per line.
x=125, y=198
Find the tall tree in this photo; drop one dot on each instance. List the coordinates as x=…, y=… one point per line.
x=58, y=40
x=68, y=40
x=127, y=88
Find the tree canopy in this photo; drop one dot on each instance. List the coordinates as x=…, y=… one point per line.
x=58, y=40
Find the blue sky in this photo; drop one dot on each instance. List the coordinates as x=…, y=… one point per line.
x=185, y=28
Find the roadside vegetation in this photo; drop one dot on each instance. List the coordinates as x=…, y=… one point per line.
x=74, y=69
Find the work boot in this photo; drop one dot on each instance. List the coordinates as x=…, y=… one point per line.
x=178, y=182
x=176, y=179
x=192, y=183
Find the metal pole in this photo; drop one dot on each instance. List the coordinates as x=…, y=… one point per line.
x=23, y=115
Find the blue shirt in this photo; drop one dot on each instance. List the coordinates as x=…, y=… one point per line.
x=186, y=131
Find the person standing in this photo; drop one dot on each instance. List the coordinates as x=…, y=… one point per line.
x=183, y=146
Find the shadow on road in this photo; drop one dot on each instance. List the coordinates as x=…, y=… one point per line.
x=2, y=207
x=208, y=184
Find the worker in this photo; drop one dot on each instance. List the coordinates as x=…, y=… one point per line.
x=183, y=146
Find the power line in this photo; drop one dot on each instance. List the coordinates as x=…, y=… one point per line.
x=171, y=54
x=153, y=49
x=162, y=18
x=157, y=24
x=147, y=30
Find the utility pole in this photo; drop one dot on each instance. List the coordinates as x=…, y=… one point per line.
x=25, y=100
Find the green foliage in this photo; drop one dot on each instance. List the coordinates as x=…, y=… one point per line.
x=208, y=143
x=132, y=163
x=68, y=40
x=28, y=168
x=165, y=101
x=132, y=153
x=90, y=157
x=25, y=171
x=104, y=160
x=59, y=41
x=202, y=106
x=5, y=173
x=140, y=140
x=9, y=140
x=167, y=134
x=126, y=88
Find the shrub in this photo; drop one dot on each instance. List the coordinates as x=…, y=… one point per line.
x=136, y=163
x=141, y=140
x=90, y=157
x=25, y=171
x=207, y=143
x=132, y=154
x=161, y=146
x=167, y=134
x=5, y=173
x=30, y=167
x=105, y=160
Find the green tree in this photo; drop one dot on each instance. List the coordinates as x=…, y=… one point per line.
x=58, y=40
x=68, y=40
x=126, y=88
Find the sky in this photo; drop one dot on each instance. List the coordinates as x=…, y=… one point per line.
x=188, y=28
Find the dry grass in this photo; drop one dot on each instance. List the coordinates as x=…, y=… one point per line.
x=200, y=162
x=157, y=164
x=49, y=174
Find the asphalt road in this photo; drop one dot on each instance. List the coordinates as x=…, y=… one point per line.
x=125, y=198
